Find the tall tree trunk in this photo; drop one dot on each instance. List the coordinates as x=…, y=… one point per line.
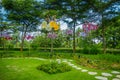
x=22, y=42
x=104, y=40
x=103, y=34
x=23, y=37
x=51, y=54
x=103, y=28
x=74, y=47
x=1, y=42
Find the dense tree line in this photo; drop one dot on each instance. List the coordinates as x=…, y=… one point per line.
x=26, y=15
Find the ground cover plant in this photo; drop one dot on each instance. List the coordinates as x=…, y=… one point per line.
x=100, y=61
x=54, y=67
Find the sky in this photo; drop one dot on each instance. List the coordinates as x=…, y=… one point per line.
x=63, y=26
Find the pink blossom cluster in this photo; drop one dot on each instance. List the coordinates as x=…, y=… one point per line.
x=83, y=34
x=87, y=27
x=6, y=36
x=28, y=37
x=52, y=35
x=69, y=32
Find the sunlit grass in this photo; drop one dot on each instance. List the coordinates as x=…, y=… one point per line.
x=25, y=69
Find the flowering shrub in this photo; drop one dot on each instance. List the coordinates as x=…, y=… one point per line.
x=50, y=28
x=52, y=25
x=29, y=37
x=52, y=35
x=44, y=25
x=69, y=32
x=87, y=27
x=8, y=38
x=5, y=36
x=83, y=34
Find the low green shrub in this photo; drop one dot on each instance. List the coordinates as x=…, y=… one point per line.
x=94, y=50
x=54, y=67
x=100, y=61
x=91, y=50
x=85, y=50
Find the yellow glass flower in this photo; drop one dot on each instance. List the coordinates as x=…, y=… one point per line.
x=44, y=24
x=48, y=28
x=51, y=24
x=54, y=25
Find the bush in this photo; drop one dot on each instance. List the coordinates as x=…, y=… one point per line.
x=94, y=50
x=43, y=41
x=86, y=50
x=54, y=67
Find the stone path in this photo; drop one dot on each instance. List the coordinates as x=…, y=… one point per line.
x=103, y=76
x=92, y=73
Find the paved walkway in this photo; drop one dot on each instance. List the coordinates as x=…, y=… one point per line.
x=103, y=76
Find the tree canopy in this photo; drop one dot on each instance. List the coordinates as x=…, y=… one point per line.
x=28, y=14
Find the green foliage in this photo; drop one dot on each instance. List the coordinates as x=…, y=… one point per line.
x=94, y=49
x=34, y=46
x=27, y=13
x=9, y=45
x=112, y=33
x=97, y=64
x=86, y=50
x=54, y=67
x=43, y=41
x=40, y=41
x=21, y=10
x=89, y=46
x=109, y=57
x=100, y=61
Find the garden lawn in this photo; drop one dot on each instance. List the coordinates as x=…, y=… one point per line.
x=25, y=69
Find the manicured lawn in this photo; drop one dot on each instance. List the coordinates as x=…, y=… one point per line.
x=25, y=69
x=18, y=68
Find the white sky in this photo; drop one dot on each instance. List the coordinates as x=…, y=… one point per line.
x=63, y=26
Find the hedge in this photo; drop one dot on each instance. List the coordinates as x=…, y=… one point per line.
x=66, y=50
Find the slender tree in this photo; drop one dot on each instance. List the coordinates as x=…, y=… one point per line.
x=113, y=32
x=106, y=10
x=24, y=12
x=72, y=12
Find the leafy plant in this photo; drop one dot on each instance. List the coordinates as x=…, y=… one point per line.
x=102, y=62
x=54, y=67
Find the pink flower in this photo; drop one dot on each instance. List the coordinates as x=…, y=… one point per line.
x=29, y=37
x=69, y=32
x=52, y=35
x=87, y=27
x=8, y=38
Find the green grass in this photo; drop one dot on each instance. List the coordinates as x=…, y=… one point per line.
x=46, y=54
x=100, y=61
x=107, y=57
x=25, y=69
